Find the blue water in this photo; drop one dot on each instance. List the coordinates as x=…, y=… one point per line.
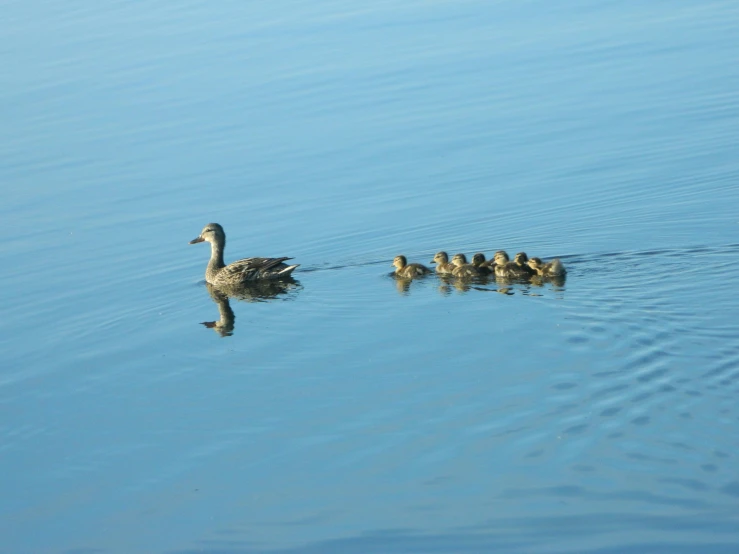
x=354, y=413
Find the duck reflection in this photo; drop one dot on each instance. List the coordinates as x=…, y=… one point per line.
x=225, y=325
x=403, y=285
x=557, y=281
x=255, y=291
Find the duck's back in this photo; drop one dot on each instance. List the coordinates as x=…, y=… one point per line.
x=253, y=269
x=555, y=268
x=413, y=270
x=512, y=270
x=471, y=271
x=445, y=267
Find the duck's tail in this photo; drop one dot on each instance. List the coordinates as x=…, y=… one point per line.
x=287, y=271
x=557, y=268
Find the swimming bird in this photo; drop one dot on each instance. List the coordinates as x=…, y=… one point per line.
x=408, y=271
x=466, y=270
x=517, y=269
x=241, y=271
x=459, y=260
x=486, y=266
x=555, y=268
x=441, y=259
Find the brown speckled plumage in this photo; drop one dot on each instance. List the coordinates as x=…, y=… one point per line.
x=555, y=268
x=408, y=271
x=517, y=269
x=466, y=270
x=441, y=259
x=241, y=271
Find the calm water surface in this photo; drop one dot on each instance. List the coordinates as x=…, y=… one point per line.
x=349, y=413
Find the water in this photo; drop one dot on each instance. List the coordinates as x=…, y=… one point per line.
x=348, y=414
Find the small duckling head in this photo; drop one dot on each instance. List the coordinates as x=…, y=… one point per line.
x=478, y=259
x=440, y=258
x=459, y=260
x=212, y=233
x=501, y=257
x=400, y=262
x=535, y=263
x=521, y=258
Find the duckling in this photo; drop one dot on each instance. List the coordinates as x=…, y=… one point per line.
x=555, y=268
x=459, y=260
x=249, y=269
x=486, y=266
x=500, y=258
x=516, y=269
x=466, y=270
x=441, y=259
x=408, y=271
x=482, y=262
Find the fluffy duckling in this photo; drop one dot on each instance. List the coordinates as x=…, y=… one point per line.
x=466, y=270
x=459, y=260
x=408, y=271
x=441, y=259
x=517, y=269
x=500, y=258
x=486, y=266
x=555, y=268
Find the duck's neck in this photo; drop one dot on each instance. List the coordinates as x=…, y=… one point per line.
x=216, y=260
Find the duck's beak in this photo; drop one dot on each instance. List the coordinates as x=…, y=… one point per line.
x=199, y=239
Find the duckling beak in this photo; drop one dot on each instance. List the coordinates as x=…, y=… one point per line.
x=195, y=241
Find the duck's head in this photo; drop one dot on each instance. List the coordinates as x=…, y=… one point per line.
x=535, y=263
x=212, y=233
x=501, y=257
x=478, y=259
x=521, y=258
x=440, y=258
x=400, y=262
x=459, y=259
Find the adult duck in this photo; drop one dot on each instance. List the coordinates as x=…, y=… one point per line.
x=218, y=273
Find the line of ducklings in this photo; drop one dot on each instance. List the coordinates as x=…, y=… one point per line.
x=522, y=267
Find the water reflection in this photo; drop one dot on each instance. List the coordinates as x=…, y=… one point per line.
x=557, y=281
x=255, y=291
x=402, y=285
x=485, y=283
x=225, y=325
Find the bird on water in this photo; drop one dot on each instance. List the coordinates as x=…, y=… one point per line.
x=218, y=273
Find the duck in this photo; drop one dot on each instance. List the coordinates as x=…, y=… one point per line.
x=479, y=261
x=405, y=270
x=443, y=266
x=464, y=269
x=471, y=270
x=555, y=268
x=219, y=274
x=517, y=269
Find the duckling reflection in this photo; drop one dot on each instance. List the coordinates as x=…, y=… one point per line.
x=256, y=291
x=403, y=285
